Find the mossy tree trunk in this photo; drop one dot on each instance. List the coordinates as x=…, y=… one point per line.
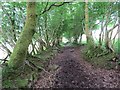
x=19, y=53
x=86, y=20
x=90, y=41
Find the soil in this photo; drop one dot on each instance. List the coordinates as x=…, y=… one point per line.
x=69, y=70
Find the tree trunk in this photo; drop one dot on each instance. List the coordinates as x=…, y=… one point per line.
x=19, y=53
x=87, y=32
x=86, y=20
x=80, y=41
x=100, y=35
x=13, y=25
x=75, y=40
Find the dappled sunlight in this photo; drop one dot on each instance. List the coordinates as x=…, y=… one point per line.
x=83, y=38
x=3, y=54
x=65, y=40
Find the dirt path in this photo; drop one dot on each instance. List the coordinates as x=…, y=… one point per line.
x=69, y=70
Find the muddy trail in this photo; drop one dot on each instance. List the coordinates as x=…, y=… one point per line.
x=69, y=70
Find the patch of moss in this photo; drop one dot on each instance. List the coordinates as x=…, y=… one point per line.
x=20, y=77
x=15, y=83
x=14, y=78
x=104, y=61
x=99, y=57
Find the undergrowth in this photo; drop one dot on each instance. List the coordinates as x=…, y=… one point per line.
x=26, y=74
x=100, y=57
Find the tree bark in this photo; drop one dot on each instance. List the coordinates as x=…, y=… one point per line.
x=87, y=32
x=13, y=25
x=86, y=20
x=19, y=53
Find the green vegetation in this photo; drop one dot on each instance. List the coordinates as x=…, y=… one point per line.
x=27, y=73
x=100, y=58
x=33, y=32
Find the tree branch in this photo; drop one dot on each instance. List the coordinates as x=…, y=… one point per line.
x=113, y=27
x=53, y=5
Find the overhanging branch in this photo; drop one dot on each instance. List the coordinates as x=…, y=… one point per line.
x=53, y=5
x=113, y=27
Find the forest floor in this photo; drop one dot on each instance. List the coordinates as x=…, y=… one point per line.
x=69, y=70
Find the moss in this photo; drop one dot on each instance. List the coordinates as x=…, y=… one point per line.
x=14, y=78
x=20, y=77
x=15, y=83
x=104, y=61
x=20, y=50
x=99, y=57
